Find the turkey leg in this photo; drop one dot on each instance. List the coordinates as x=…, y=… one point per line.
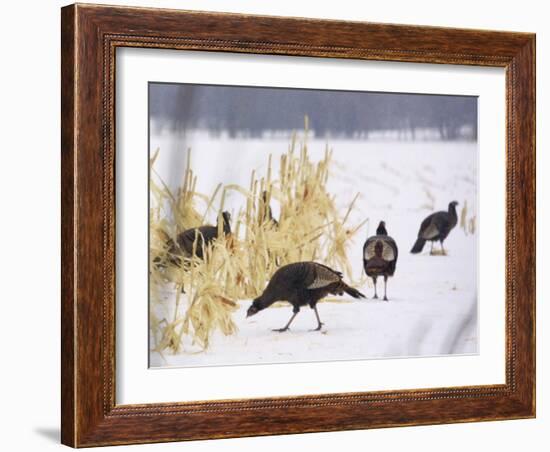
x=285, y=328
x=319, y=323
x=374, y=280
x=385, y=285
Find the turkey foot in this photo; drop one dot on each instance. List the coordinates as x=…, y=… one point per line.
x=286, y=327
x=318, y=327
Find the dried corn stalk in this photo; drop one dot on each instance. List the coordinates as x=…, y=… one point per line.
x=237, y=267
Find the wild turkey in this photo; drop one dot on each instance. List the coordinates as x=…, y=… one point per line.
x=266, y=214
x=436, y=227
x=301, y=284
x=380, y=256
x=203, y=236
x=183, y=245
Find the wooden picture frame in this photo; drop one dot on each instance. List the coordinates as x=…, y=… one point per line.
x=90, y=35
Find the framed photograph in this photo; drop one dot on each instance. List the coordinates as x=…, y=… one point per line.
x=282, y=225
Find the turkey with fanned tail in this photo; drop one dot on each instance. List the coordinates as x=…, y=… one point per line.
x=302, y=284
x=380, y=257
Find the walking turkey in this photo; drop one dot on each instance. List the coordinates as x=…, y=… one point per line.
x=301, y=284
x=436, y=227
x=380, y=257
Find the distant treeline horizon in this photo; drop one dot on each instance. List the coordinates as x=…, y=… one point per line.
x=256, y=112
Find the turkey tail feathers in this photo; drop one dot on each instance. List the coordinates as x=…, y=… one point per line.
x=418, y=245
x=353, y=292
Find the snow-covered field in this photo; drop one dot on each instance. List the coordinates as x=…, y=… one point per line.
x=433, y=299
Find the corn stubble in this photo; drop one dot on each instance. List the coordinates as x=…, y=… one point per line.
x=238, y=266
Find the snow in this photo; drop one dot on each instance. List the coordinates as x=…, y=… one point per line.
x=433, y=299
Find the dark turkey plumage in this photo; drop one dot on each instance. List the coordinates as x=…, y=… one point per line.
x=203, y=236
x=436, y=227
x=380, y=257
x=301, y=284
x=266, y=214
x=183, y=245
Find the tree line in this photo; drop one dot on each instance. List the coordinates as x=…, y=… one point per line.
x=251, y=111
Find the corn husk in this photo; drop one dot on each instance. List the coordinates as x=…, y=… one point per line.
x=237, y=267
